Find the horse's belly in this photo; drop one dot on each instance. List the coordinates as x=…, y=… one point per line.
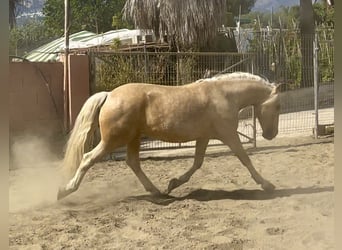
x=171, y=137
x=175, y=132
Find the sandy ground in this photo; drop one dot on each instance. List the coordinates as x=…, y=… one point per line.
x=219, y=208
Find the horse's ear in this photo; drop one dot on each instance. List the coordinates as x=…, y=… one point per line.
x=278, y=88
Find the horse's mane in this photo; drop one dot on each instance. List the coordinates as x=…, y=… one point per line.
x=238, y=76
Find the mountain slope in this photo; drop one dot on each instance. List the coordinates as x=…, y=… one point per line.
x=266, y=5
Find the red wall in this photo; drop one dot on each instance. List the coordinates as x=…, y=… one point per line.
x=32, y=108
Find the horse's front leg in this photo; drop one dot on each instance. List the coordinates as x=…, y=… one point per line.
x=201, y=146
x=233, y=141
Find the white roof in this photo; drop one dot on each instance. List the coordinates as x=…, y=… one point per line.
x=106, y=38
x=79, y=40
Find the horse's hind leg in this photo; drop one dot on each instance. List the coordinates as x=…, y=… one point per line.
x=88, y=160
x=201, y=146
x=233, y=141
x=133, y=162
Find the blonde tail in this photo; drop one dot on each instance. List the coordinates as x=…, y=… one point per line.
x=82, y=134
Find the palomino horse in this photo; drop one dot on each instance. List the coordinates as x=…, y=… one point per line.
x=203, y=110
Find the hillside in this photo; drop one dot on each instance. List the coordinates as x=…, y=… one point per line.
x=266, y=5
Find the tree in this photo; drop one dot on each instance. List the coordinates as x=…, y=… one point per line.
x=234, y=6
x=186, y=23
x=91, y=15
x=26, y=37
x=324, y=13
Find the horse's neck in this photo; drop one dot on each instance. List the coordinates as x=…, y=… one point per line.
x=248, y=93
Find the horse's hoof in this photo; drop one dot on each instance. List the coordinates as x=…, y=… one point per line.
x=267, y=186
x=172, y=185
x=153, y=191
x=156, y=193
x=62, y=192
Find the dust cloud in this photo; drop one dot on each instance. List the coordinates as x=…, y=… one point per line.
x=34, y=173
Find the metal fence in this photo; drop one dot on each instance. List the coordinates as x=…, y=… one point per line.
x=112, y=69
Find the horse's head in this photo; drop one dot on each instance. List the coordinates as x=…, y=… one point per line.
x=268, y=114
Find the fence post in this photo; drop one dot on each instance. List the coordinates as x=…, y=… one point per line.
x=253, y=116
x=315, y=64
x=92, y=70
x=66, y=65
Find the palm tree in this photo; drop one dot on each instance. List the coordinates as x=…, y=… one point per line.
x=184, y=22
